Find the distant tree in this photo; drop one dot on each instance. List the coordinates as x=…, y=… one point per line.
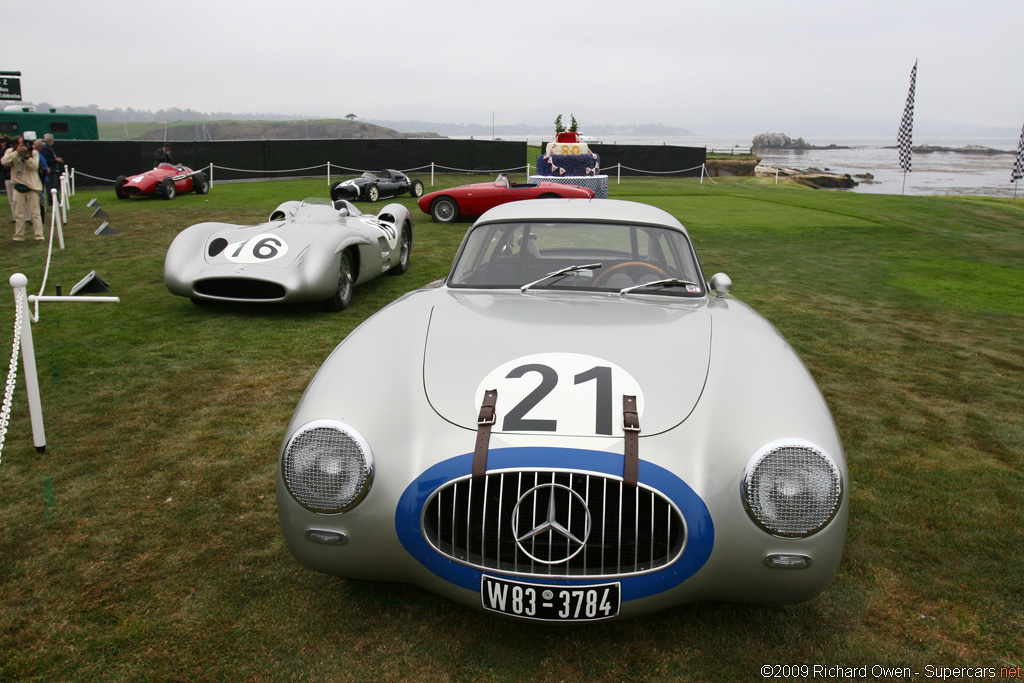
x=350, y=117
x=772, y=141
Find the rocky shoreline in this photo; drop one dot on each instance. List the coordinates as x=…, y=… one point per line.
x=812, y=177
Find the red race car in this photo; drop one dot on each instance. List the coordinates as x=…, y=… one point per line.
x=166, y=180
x=448, y=206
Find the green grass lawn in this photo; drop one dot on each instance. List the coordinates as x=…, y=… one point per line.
x=144, y=545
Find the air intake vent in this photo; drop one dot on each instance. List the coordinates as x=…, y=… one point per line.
x=239, y=289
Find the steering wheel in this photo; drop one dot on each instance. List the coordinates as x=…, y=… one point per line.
x=603, y=277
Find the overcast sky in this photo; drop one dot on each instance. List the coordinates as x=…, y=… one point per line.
x=817, y=69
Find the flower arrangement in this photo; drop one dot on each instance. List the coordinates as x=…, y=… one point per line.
x=563, y=135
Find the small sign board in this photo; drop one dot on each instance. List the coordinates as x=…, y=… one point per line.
x=90, y=284
x=10, y=87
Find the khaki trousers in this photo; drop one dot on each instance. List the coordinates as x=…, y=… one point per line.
x=25, y=202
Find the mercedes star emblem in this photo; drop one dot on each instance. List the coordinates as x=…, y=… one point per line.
x=549, y=533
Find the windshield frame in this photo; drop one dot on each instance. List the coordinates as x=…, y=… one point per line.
x=678, y=240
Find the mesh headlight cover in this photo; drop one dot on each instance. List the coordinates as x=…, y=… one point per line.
x=792, y=488
x=327, y=466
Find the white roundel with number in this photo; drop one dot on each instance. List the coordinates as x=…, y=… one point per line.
x=567, y=394
x=259, y=249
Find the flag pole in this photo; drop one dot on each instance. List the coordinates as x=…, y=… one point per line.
x=905, y=137
x=1018, y=165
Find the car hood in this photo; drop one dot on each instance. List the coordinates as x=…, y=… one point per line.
x=277, y=244
x=561, y=363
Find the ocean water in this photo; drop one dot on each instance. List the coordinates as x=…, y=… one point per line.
x=932, y=173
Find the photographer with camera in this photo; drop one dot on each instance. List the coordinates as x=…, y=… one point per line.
x=23, y=162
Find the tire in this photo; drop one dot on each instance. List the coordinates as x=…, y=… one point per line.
x=343, y=296
x=405, y=242
x=444, y=210
x=200, y=183
x=372, y=193
x=118, y=184
x=166, y=189
x=416, y=190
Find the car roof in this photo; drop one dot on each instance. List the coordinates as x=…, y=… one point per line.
x=612, y=210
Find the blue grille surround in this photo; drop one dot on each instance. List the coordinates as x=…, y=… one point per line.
x=681, y=552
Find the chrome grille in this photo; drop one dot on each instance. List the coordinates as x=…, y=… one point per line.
x=477, y=522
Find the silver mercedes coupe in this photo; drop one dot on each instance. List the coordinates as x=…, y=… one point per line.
x=575, y=425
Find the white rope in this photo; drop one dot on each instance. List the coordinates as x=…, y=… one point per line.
x=12, y=373
x=46, y=273
x=282, y=170
x=482, y=171
x=106, y=180
x=637, y=170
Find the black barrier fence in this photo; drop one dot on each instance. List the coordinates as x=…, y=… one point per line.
x=97, y=162
x=644, y=160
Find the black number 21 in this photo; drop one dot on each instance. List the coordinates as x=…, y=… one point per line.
x=516, y=420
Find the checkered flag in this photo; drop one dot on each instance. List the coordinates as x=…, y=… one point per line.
x=906, y=135
x=1018, y=166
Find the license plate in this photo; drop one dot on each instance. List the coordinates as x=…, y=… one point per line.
x=550, y=603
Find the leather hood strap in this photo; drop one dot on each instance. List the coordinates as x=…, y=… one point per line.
x=483, y=433
x=631, y=427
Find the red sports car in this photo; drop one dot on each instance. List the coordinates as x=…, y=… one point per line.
x=166, y=180
x=448, y=206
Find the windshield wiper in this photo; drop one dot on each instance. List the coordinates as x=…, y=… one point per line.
x=563, y=271
x=667, y=282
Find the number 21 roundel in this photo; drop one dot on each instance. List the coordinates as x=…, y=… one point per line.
x=567, y=394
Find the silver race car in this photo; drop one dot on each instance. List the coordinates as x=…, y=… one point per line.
x=313, y=250
x=573, y=426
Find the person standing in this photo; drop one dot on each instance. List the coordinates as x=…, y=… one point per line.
x=44, y=178
x=24, y=164
x=5, y=144
x=163, y=155
x=56, y=165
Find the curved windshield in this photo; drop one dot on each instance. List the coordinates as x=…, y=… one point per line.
x=569, y=255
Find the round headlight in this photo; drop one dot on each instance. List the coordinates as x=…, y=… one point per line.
x=792, y=488
x=327, y=466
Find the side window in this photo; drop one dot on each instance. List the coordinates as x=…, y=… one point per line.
x=8, y=126
x=58, y=127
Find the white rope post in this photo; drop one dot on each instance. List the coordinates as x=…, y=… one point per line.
x=55, y=219
x=618, y=179
x=28, y=358
x=64, y=201
x=72, y=182
x=431, y=173
x=211, y=174
x=328, y=174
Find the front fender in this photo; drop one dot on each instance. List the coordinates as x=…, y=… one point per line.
x=185, y=256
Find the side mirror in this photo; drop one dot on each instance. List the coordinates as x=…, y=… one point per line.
x=720, y=284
